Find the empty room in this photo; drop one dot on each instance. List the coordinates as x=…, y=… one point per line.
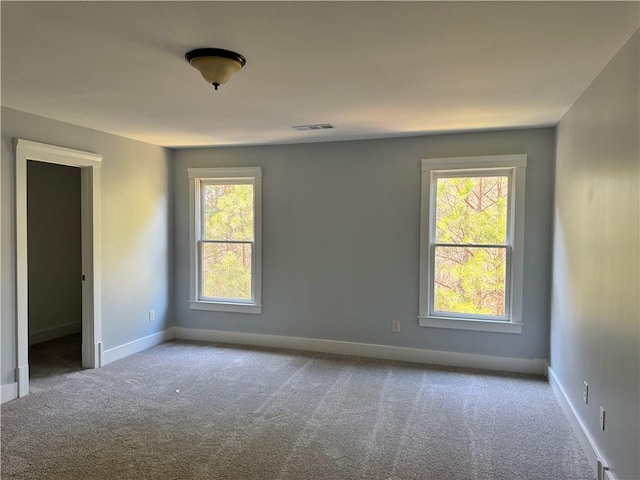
x=320, y=240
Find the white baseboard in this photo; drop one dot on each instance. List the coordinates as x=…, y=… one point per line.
x=9, y=392
x=46, y=334
x=608, y=475
x=136, y=346
x=584, y=437
x=453, y=359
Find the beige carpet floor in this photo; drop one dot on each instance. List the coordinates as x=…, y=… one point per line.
x=189, y=410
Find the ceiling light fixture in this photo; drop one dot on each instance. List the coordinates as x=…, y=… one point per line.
x=215, y=64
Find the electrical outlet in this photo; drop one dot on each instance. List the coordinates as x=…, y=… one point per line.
x=602, y=419
x=585, y=392
x=602, y=471
x=395, y=326
x=152, y=315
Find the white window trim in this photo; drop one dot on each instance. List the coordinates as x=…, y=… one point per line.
x=517, y=163
x=239, y=173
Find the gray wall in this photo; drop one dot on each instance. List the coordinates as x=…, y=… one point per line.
x=135, y=217
x=341, y=240
x=55, y=250
x=595, y=310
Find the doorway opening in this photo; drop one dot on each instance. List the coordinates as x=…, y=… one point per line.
x=87, y=165
x=54, y=244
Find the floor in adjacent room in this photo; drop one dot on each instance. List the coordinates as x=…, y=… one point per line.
x=52, y=359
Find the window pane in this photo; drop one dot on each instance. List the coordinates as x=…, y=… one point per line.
x=470, y=280
x=472, y=210
x=228, y=212
x=226, y=270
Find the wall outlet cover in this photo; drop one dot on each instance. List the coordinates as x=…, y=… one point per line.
x=585, y=392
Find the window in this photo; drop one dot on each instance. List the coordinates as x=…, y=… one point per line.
x=226, y=239
x=471, y=254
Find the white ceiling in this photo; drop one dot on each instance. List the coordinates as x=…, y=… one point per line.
x=373, y=69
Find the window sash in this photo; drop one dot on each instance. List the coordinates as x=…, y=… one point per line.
x=202, y=240
x=222, y=181
x=459, y=315
x=507, y=246
x=201, y=295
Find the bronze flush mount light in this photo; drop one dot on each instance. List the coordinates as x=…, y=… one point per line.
x=216, y=65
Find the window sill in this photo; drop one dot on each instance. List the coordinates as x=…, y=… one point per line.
x=225, y=307
x=468, y=324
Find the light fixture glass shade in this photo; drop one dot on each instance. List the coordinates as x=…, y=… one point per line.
x=216, y=70
x=216, y=65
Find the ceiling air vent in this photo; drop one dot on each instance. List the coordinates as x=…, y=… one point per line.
x=317, y=126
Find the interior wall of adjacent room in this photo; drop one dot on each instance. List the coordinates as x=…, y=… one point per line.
x=134, y=220
x=341, y=231
x=55, y=251
x=595, y=331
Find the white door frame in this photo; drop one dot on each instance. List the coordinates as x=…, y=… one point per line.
x=89, y=163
